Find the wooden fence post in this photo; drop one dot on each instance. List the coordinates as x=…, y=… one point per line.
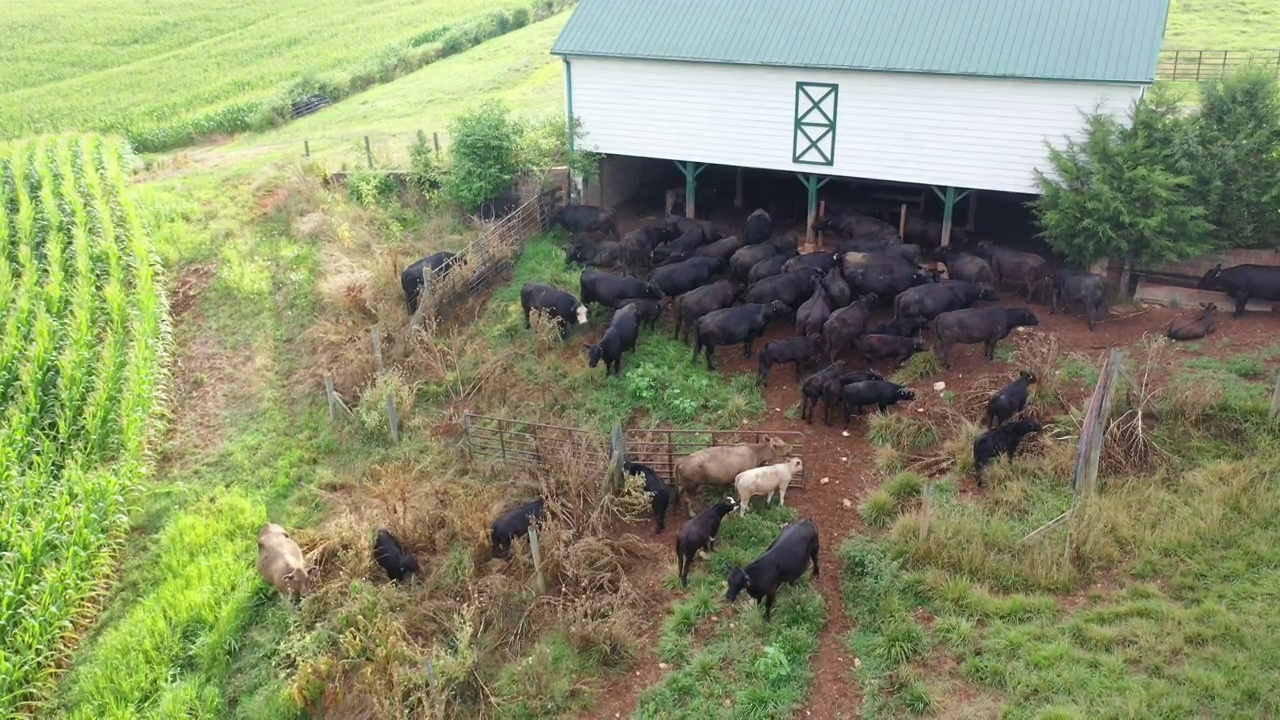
x=306, y=149
x=502, y=439
x=328, y=395
x=368, y=152
x=926, y=507
x=435, y=140
x=617, y=457
x=377, y=348
x=1275, y=399
x=902, y=222
x=392, y=419
x=466, y=436
x=536, y=549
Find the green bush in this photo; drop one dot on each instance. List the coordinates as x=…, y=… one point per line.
x=483, y=155
x=426, y=166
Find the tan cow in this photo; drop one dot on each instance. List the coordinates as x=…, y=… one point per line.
x=718, y=466
x=280, y=562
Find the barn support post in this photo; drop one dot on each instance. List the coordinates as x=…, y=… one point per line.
x=691, y=172
x=971, y=222
x=813, y=185
x=737, y=190
x=949, y=199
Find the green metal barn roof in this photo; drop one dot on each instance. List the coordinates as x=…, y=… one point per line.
x=1095, y=40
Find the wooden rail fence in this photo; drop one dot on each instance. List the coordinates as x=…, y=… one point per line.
x=1196, y=65
x=530, y=444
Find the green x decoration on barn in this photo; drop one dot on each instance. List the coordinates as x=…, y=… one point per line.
x=814, y=142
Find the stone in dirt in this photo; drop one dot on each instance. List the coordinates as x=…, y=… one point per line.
x=847, y=503
x=824, y=481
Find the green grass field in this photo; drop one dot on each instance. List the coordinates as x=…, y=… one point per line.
x=1223, y=25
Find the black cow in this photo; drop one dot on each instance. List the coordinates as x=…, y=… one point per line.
x=511, y=525
x=637, y=246
x=790, y=289
x=1004, y=440
x=699, y=533
x=700, y=301
x=813, y=313
x=811, y=389
x=742, y=261
x=587, y=219
x=621, y=336
x=724, y=248
x=837, y=288
x=411, y=279
x=1014, y=267
x=758, y=228
x=1010, y=400
x=886, y=280
x=1194, y=329
x=931, y=300
x=1073, y=286
x=888, y=247
x=605, y=254
x=784, y=561
x=653, y=484
x=682, y=277
x=846, y=324
x=880, y=393
x=711, y=231
x=856, y=227
x=908, y=327
x=1244, y=282
x=888, y=347
x=649, y=310
x=832, y=391
x=769, y=267
x=801, y=351
x=557, y=304
x=821, y=261
x=987, y=325
x=607, y=289
x=683, y=246
x=398, y=563
x=966, y=267
x=742, y=324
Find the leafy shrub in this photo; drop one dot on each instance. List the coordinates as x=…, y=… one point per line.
x=483, y=155
x=370, y=188
x=371, y=410
x=427, y=171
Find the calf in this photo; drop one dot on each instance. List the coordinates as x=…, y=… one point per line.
x=888, y=347
x=1010, y=400
x=837, y=288
x=758, y=228
x=1021, y=269
x=648, y=310
x=398, y=563
x=742, y=324
x=700, y=301
x=511, y=525
x=682, y=277
x=660, y=494
x=621, y=337
x=880, y=393
x=846, y=324
x=908, y=327
x=812, y=387
x=1076, y=286
x=801, y=351
x=784, y=561
x=766, y=480
x=411, y=279
x=931, y=300
x=820, y=261
x=813, y=313
x=987, y=325
x=607, y=289
x=686, y=243
x=1244, y=282
x=769, y=267
x=699, y=533
x=718, y=466
x=1004, y=440
x=723, y=248
x=556, y=304
x=833, y=391
x=281, y=563
x=1194, y=329
x=587, y=219
x=790, y=289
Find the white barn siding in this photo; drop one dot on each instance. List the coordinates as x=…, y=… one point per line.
x=966, y=132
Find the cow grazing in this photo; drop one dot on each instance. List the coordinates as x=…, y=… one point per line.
x=556, y=304
x=398, y=563
x=1071, y=287
x=513, y=524
x=931, y=300
x=649, y=311
x=1011, y=399
x=411, y=280
x=813, y=313
x=1003, y=440
x=769, y=267
x=587, y=219
x=637, y=246
x=880, y=393
x=281, y=563
x=1194, y=328
x=684, y=245
x=758, y=228
x=660, y=494
x=620, y=337
x=820, y=261
x=987, y=325
x=766, y=481
x=908, y=327
x=700, y=533
x=1243, y=283
x=791, y=289
x=724, y=248
x=811, y=388
x=837, y=288
x=846, y=324
x=888, y=347
x=784, y=561
x=700, y=301
x=741, y=324
x=682, y=277
x=607, y=289
x=718, y=466
x=1017, y=268
x=833, y=392
x=801, y=351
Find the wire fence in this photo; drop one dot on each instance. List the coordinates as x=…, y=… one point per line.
x=1196, y=65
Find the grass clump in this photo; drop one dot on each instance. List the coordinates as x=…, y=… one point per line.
x=919, y=367
x=902, y=431
x=879, y=509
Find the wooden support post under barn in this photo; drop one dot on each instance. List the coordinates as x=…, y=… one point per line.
x=972, y=222
x=737, y=190
x=812, y=184
x=691, y=174
x=949, y=200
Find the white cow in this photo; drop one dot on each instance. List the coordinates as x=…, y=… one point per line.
x=766, y=480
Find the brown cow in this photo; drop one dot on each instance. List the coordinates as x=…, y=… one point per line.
x=718, y=466
x=1194, y=328
x=280, y=562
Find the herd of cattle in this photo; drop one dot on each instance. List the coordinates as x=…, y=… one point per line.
x=726, y=290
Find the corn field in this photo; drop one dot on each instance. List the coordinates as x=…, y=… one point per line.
x=82, y=358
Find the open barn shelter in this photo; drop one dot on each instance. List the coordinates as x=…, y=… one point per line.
x=936, y=99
